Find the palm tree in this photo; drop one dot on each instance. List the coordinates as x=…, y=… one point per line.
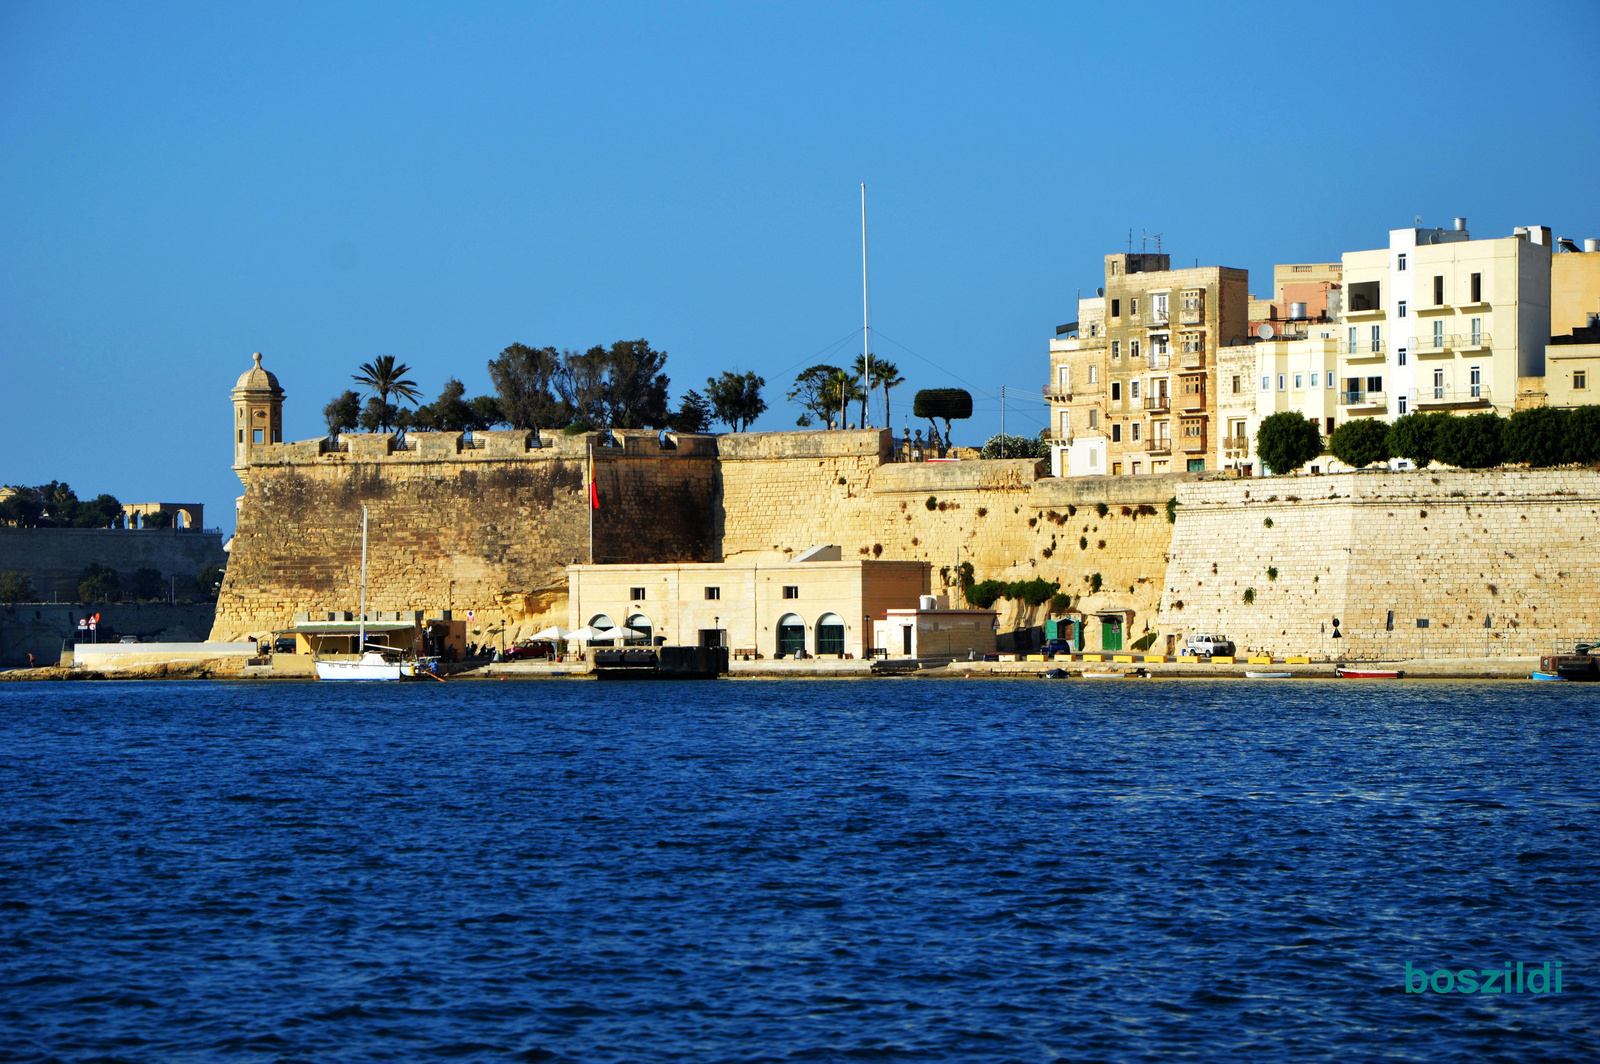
x=867, y=371
x=382, y=376
x=844, y=385
x=886, y=375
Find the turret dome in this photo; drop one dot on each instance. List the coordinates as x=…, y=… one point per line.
x=257, y=379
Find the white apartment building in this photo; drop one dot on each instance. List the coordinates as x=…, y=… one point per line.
x=1439, y=321
x=1300, y=375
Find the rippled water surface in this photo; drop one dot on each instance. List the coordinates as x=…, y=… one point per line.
x=804, y=871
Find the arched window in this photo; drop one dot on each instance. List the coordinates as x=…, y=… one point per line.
x=641, y=624
x=830, y=634
x=791, y=634
x=602, y=621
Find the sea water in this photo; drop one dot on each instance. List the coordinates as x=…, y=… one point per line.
x=894, y=870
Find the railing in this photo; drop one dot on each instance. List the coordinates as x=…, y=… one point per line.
x=1158, y=403
x=1159, y=446
x=1235, y=446
x=1056, y=391
x=1362, y=398
x=1429, y=344
x=1159, y=360
x=1157, y=320
x=1192, y=360
x=1447, y=395
x=1360, y=350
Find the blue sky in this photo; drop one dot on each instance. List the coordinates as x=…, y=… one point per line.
x=181, y=185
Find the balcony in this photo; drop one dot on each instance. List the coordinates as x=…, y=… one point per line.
x=1442, y=344
x=1157, y=404
x=1197, y=316
x=1196, y=401
x=1442, y=397
x=1194, y=444
x=1192, y=360
x=1350, y=350
x=1157, y=320
x=1363, y=398
x=1236, y=446
x=1058, y=393
x=1162, y=445
x=1159, y=360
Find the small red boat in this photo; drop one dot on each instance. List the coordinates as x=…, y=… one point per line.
x=1369, y=674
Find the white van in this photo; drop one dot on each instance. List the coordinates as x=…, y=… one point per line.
x=1206, y=645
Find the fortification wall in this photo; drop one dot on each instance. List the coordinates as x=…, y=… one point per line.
x=56, y=557
x=1447, y=546
x=784, y=492
x=487, y=528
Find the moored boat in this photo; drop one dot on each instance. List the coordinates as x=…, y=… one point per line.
x=1584, y=668
x=1368, y=674
x=1537, y=675
x=372, y=665
x=1268, y=675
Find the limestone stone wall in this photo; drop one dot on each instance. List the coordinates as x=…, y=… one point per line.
x=1450, y=547
x=54, y=558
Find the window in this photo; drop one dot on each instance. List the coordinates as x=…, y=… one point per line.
x=1236, y=387
x=1438, y=384
x=636, y=594
x=1116, y=391
x=1402, y=407
x=1116, y=349
x=1438, y=334
x=1133, y=349
x=1477, y=332
x=1401, y=310
x=1158, y=306
x=1477, y=288
x=1116, y=308
x=1116, y=433
x=791, y=591
x=1580, y=379
x=1161, y=345
x=713, y=593
x=1137, y=468
x=1377, y=338
x=1066, y=378
x=1353, y=347
x=1330, y=426
x=1438, y=289
x=1116, y=469
x=1094, y=373
x=1329, y=379
x=1094, y=329
x=1299, y=382
x=1266, y=382
x=1133, y=308
x=1280, y=382
x=1066, y=424
x=1374, y=384
x=1475, y=379
x=1136, y=432
x=1133, y=389
x=1401, y=264
x=257, y=435
x=241, y=435
x=1401, y=356
x=1094, y=417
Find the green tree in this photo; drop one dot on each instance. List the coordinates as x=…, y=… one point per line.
x=1287, y=440
x=636, y=386
x=1583, y=434
x=451, y=412
x=344, y=413
x=1412, y=437
x=97, y=582
x=886, y=376
x=1360, y=442
x=814, y=392
x=983, y=595
x=845, y=388
x=946, y=404
x=736, y=398
x=693, y=414
x=377, y=415
x=22, y=509
x=1002, y=446
x=873, y=372
x=524, y=381
x=1476, y=441
x=209, y=581
x=146, y=585
x=1537, y=436
x=16, y=586
x=385, y=377
x=486, y=413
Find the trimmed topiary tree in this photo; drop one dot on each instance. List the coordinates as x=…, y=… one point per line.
x=1288, y=440
x=1537, y=437
x=946, y=404
x=1473, y=442
x=1411, y=437
x=1360, y=442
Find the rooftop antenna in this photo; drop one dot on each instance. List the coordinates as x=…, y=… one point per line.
x=1130, y=240
x=1417, y=218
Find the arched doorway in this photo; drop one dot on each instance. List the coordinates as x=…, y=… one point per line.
x=830, y=634
x=791, y=635
x=641, y=624
x=602, y=621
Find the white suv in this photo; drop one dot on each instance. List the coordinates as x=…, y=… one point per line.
x=1206, y=645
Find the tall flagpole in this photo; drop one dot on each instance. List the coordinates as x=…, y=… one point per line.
x=866, y=311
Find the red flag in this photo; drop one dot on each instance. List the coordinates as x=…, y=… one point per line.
x=594, y=495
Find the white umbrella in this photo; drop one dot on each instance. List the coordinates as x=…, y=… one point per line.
x=590, y=634
x=555, y=631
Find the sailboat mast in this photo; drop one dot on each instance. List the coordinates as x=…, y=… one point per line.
x=362, y=646
x=866, y=312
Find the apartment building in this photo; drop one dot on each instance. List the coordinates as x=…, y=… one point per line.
x=1439, y=321
x=1140, y=394
x=1304, y=295
x=1574, y=286
x=1299, y=375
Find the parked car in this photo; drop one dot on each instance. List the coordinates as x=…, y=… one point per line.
x=284, y=644
x=1206, y=645
x=129, y=639
x=1056, y=646
x=531, y=651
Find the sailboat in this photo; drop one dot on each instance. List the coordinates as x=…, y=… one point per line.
x=374, y=663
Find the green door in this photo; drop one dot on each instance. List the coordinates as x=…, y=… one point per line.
x=1111, y=633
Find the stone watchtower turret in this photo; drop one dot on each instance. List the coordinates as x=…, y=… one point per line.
x=257, y=414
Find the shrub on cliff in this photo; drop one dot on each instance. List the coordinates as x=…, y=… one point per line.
x=1583, y=434
x=1288, y=440
x=1360, y=442
x=983, y=594
x=1537, y=437
x=16, y=587
x=98, y=582
x=1411, y=437
x=209, y=580
x=1473, y=442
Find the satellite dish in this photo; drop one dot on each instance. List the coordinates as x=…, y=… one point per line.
x=1418, y=219
x=1264, y=331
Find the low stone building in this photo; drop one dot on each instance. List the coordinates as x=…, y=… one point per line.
x=934, y=630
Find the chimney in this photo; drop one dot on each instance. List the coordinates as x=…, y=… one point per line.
x=1591, y=244
x=1461, y=225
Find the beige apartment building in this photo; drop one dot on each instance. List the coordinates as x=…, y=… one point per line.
x=1304, y=295
x=1137, y=390
x=1439, y=321
x=1574, y=286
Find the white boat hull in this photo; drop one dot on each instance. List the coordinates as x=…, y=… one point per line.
x=366, y=669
